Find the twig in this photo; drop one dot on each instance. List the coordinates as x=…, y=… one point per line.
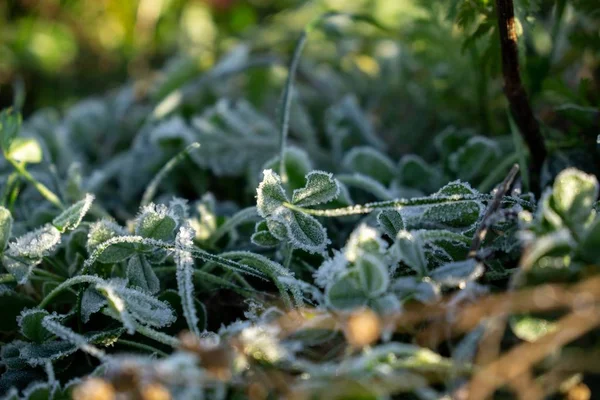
x=514, y=90
x=491, y=209
x=524, y=356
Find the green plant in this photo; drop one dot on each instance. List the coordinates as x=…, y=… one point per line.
x=283, y=248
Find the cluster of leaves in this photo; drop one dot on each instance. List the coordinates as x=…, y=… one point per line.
x=288, y=279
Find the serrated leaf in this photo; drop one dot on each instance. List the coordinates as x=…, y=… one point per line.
x=345, y=294
x=321, y=187
x=27, y=150
x=370, y=162
x=409, y=249
x=6, y=222
x=390, y=222
x=457, y=273
x=373, y=275
x=30, y=323
x=574, y=194
x=141, y=274
x=72, y=216
x=270, y=194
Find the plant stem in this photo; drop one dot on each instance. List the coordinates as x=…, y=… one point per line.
x=515, y=92
x=141, y=346
x=172, y=163
x=40, y=187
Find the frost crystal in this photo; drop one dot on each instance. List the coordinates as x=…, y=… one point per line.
x=185, y=275
x=331, y=269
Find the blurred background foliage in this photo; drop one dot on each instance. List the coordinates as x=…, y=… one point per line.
x=439, y=63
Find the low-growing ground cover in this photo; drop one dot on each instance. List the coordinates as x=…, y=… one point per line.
x=248, y=234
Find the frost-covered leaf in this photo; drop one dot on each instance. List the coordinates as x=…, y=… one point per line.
x=457, y=273
x=141, y=274
x=364, y=239
x=6, y=222
x=30, y=323
x=262, y=237
x=345, y=294
x=303, y=231
x=390, y=222
x=410, y=287
x=270, y=194
x=408, y=248
x=574, y=194
x=40, y=391
x=370, y=162
x=131, y=303
x=184, y=275
x=27, y=251
x=91, y=303
x=155, y=222
x=72, y=216
x=386, y=304
x=102, y=231
x=463, y=214
x=321, y=187
x=235, y=137
x=27, y=150
x=373, y=275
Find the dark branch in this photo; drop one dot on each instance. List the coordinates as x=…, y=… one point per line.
x=514, y=91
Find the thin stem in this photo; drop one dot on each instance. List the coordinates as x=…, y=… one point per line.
x=514, y=90
x=148, y=332
x=141, y=346
x=67, y=284
x=40, y=187
x=168, y=167
x=403, y=203
x=242, y=216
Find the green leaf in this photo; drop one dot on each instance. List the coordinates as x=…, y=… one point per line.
x=141, y=274
x=414, y=172
x=30, y=322
x=320, y=187
x=270, y=194
x=390, y=222
x=102, y=231
x=370, y=162
x=345, y=294
x=91, y=303
x=262, y=237
x=27, y=150
x=72, y=216
x=530, y=328
x=303, y=231
x=574, y=193
x=10, y=124
x=462, y=214
x=155, y=222
x=475, y=159
x=6, y=222
x=409, y=249
x=373, y=275
x=455, y=274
